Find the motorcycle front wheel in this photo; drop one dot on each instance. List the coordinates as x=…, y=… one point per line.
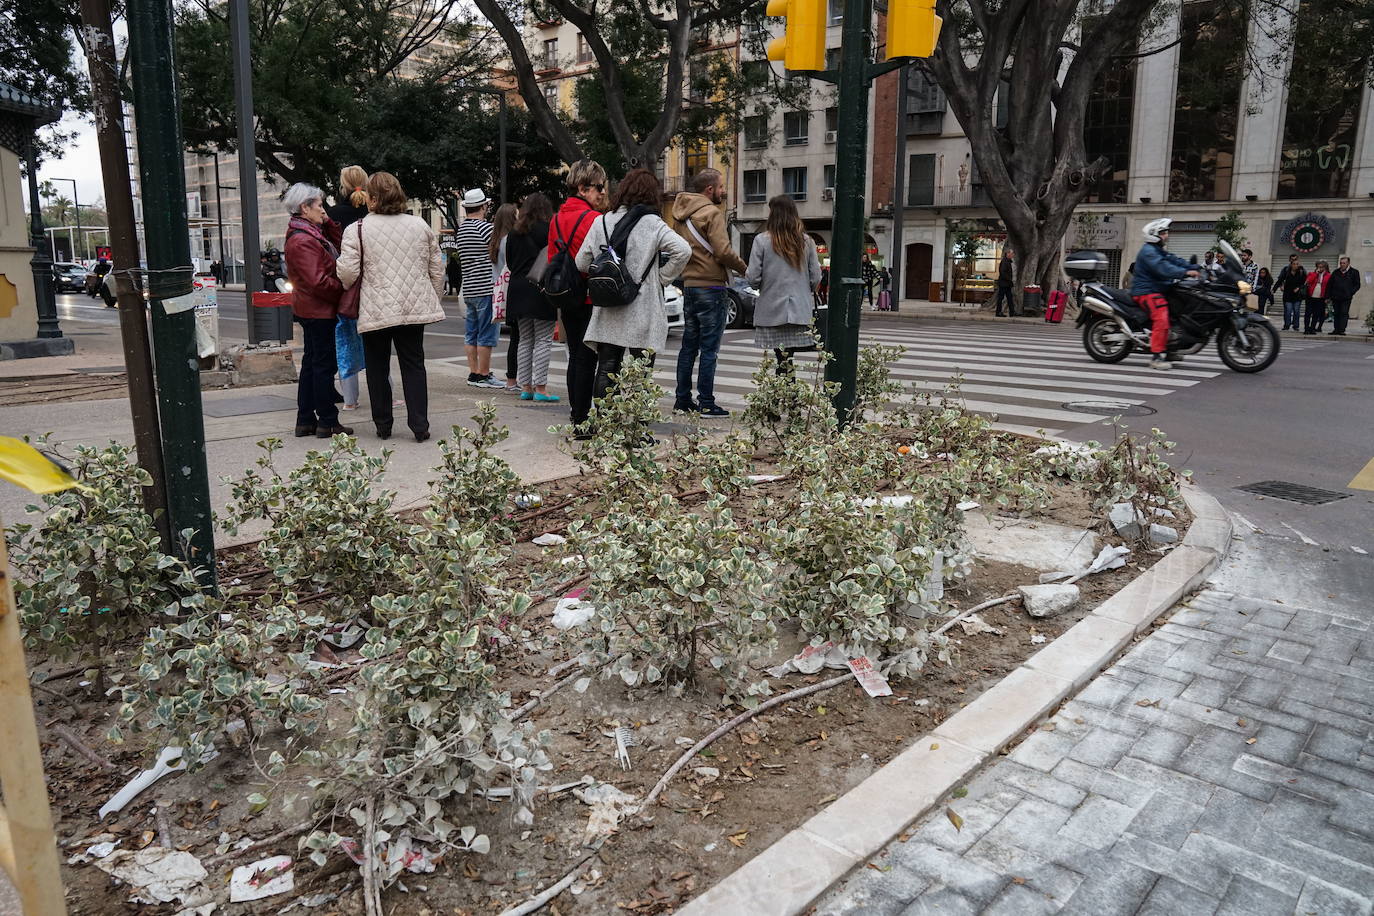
x=1253, y=349
x=1104, y=341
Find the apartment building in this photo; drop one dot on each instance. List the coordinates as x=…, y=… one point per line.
x=1191, y=133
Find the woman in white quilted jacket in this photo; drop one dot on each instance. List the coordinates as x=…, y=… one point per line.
x=395, y=256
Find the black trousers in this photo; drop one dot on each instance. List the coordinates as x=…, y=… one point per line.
x=609, y=359
x=1340, y=315
x=1315, y=317
x=315, y=388
x=581, y=362
x=1004, y=292
x=409, y=341
x=513, y=351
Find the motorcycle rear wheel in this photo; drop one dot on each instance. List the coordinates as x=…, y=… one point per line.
x=1252, y=350
x=1104, y=341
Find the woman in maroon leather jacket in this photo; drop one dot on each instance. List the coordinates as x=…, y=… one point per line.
x=315, y=293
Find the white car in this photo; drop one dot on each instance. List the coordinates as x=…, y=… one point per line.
x=672, y=303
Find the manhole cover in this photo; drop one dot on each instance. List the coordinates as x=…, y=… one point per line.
x=1110, y=408
x=1293, y=492
x=238, y=407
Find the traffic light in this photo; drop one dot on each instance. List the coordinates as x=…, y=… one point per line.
x=802, y=46
x=912, y=28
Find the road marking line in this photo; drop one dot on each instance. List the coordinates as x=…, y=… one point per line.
x=1305, y=538
x=1365, y=479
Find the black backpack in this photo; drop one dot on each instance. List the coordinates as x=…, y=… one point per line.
x=562, y=282
x=609, y=280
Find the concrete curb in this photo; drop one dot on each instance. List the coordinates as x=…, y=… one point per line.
x=794, y=872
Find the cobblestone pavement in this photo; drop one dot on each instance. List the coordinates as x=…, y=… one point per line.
x=1224, y=765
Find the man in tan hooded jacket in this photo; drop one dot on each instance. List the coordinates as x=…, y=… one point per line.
x=707, y=275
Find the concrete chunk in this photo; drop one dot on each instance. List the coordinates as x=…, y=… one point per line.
x=1048, y=600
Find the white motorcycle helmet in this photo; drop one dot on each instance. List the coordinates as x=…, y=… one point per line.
x=1154, y=227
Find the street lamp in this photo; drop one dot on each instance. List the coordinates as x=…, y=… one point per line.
x=76, y=202
x=219, y=219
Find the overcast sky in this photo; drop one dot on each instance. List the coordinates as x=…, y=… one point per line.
x=80, y=162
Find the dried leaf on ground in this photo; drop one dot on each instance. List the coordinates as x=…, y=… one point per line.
x=737, y=839
x=1146, y=703
x=954, y=818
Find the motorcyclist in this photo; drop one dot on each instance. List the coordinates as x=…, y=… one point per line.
x=1155, y=268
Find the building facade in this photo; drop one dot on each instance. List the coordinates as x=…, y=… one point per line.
x=1192, y=132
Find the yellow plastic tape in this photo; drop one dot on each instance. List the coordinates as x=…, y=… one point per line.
x=23, y=465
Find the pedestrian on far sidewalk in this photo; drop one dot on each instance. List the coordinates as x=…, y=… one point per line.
x=481, y=333
x=501, y=225
x=701, y=223
x=784, y=268
x=868, y=272
x=1291, y=283
x=1006, y=278
x=533, y=315
x=1345, y=283
x=1264, y=289
x=586, y=182
x=349, y=207
x=640, y=327
x=453, y=275
x=1318, y=291
x=395, y=256
x=311, y=263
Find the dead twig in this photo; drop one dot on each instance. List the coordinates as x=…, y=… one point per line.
x=164, y=825
x=734, y=723
x=536, y=903
x=277, y=837
x=70, y=738
x=529, y=705
x=973, y=610
x=372, y=893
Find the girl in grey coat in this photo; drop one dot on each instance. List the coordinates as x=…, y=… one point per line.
x=641, y=327
x=783, y=266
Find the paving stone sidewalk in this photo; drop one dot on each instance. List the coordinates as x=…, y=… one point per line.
x=1224, y=765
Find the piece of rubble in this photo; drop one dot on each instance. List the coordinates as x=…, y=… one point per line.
x=1126, y=521
x=1048, y=600
x=1037, y=544
x=1163, y=534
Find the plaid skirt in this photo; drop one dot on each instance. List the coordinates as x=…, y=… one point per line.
x=782, y=336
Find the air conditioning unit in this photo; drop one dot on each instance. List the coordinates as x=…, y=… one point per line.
x=830, y=136
x=827, y=193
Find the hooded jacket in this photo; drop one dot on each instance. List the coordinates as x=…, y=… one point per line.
x=706, y=268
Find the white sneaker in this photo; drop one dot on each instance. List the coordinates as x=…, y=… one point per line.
x=1159, y=362
x=491, y=382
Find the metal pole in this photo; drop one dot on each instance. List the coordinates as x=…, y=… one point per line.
x=842, y=336
x=248, y=172
x=169, y=275
x=76, y=204
x=219, y=223
x=502, y=97
x=41, y=263
x=899, y=189
x=119, y=203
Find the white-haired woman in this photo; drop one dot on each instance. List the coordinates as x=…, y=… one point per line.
x=311, y=261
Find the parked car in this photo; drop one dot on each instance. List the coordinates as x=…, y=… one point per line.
x=69, y=277
x=672, y=303
x=743, y=298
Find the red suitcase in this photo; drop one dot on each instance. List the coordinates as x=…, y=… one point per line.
x=884, y=301
x=1054, y=307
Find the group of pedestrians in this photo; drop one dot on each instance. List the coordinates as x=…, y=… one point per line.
x=367, y=276
x=1317, y=288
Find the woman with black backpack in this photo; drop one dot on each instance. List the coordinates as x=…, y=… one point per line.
x=626, y=243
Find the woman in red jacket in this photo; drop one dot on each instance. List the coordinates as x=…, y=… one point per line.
x=315, y=293
x=586, y=180
x=1317, y=282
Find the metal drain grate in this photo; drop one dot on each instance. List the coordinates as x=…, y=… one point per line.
x=1104, y=408
x=1293, y=492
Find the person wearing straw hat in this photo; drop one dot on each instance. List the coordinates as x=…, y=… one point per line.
x=481, y=332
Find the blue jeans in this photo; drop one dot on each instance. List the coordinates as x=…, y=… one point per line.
x=1292, y=313
x=703, y=322
x=480, y=330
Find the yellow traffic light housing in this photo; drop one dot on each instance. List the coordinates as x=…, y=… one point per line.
x=912, y=28
x=802, y=46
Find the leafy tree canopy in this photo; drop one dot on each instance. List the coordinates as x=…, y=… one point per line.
x=37, y=45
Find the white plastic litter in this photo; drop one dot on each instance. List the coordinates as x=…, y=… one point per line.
x=265, y=878
x=549, y=540
x=346, y=637
x=101, y=846
x=168, y=761
x=764, y=478
x=1037, y=638
x=812, y=659
x=1361, y=551
x=893, y=502
x=974, y=624
x=1084, y=458
x=1107, y=558
x=609, y=805
x=572, y=612
x=968, y=505
x=159, y=875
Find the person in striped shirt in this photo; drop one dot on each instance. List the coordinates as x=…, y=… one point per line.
x=481, y=332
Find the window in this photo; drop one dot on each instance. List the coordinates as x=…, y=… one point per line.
x=1207, y=105
x=1107, y=131
x=925, y=104
x=551, y=93
x=794, y=183
x=695, y=159
x=756, y=132
x=832, y=58
x=830, y=176
x=755, y=186
x=832, y=121
x=584, y=50
x=796, y=128
x=920, y=181
x=836, y=12
x=550, y=53
x=1323, y=107
x=758, y=75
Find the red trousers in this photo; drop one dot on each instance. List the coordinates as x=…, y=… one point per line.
x=1158, y=307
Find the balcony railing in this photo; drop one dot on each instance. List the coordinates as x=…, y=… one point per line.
x=968, y=196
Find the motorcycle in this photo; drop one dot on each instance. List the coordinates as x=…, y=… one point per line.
x=1199, y=308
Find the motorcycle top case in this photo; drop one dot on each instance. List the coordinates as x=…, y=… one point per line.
x=1054, y=306
x=1085, y=265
